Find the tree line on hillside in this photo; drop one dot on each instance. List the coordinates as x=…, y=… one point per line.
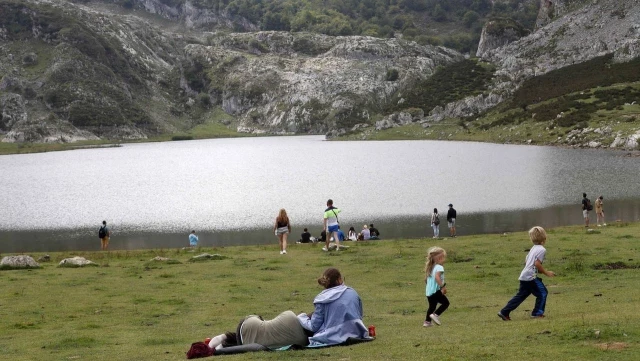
x=425, y=21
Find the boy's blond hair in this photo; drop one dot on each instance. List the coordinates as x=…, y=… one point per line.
x=538, y=235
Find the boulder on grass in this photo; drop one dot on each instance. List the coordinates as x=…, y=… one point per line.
x=76, y=262
x=206, y=257
x=18, y=262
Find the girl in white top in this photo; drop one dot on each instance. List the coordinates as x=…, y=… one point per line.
x=352, y=236
x=435, y=223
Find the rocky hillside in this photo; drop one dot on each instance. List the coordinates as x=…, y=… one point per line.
x=82, y=70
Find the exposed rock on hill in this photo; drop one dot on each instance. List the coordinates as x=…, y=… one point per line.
x=310, y=83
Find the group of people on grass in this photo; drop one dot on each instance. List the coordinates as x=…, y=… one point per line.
x=338, y=309
x=337, y=317
x=330, y=231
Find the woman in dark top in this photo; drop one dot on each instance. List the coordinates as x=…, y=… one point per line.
x=282, y=227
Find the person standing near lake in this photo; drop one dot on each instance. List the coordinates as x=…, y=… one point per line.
x=586, y=207
x=104, y=233
x=282, y=227
x=600, y=211
x=451, y=219
x=435, y=223
x=193, y=239
x=530, y=283
x=331, y=225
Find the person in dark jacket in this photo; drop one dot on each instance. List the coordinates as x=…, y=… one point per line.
x=451, y=219
x=375, y=234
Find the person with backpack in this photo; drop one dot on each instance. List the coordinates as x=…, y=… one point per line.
x=586, y=207
x=104, y=234
x=435, y=223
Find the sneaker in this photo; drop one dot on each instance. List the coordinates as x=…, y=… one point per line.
x=503, y=317
x=605, y=224
x=599, y=225
x=435, y=319
x=537, y=316
x=325, y=249
x=284, y=251
x=281, y=252
x=427, y=324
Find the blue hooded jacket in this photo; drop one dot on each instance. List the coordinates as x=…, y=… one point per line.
x=337, y=316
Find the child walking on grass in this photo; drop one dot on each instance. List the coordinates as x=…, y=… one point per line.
x=529, y=282
x=436, y=287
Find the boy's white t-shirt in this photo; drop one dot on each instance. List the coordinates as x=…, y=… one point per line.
x=432, y=285
x=530, y=272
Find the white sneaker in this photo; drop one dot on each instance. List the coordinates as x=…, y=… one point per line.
x=435, y=319
x=605, y=224
x=325, y=249
x=427, y=324
x=281, y=252
x=284, y=252
x=599, y=226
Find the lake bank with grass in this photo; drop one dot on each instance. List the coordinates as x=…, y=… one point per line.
x=133, y=308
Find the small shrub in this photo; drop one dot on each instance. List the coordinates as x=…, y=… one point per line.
x=392, y=74
x=182, y=137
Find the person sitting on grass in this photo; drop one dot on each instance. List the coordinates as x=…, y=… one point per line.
x=373, y=231
x=337, y=315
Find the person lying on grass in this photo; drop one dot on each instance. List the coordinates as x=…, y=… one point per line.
x=284, y=330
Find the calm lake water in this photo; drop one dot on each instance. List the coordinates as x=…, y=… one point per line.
x=230, y=190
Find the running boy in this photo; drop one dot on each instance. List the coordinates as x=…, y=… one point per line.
x=436, y=287
x=529, y=282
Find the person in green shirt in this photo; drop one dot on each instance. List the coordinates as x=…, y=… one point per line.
x=331, y=225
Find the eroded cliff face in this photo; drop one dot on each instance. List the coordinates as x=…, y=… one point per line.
x=592, y=29
x=606, y=26
x=302, y=83
x=195, y=16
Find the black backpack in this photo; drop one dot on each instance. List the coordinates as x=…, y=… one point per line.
x=102, y=232
x=437, y=220
x=589, y=206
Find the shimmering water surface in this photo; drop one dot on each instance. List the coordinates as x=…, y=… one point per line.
x=230, y=190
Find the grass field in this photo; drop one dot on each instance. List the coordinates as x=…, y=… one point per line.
x=130, y=308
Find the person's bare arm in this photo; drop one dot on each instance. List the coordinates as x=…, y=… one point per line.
x=443, y=286
x=541, y=269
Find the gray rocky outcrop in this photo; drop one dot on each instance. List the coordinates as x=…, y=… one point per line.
x=45, y=258
x=595, y=29
x=627, y=142
x=18, y=262
x=195, y=16
x=76, y=261
x=308, y=83
x=467, y=107
x=498, y=33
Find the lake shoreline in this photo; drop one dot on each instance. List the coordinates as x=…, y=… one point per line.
x=408, y=227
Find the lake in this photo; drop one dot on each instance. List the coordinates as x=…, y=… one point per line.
x=230, y=190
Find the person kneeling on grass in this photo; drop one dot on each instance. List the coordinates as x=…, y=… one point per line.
x=529, y=282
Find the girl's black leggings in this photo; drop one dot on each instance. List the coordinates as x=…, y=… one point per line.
x=434, y=299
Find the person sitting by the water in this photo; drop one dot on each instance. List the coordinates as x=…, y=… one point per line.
x=352, y=235
x=323, y=236
x=305, y=237
x=364, y=234
x=337, y=315
x=284, y=330
x=375, y=234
